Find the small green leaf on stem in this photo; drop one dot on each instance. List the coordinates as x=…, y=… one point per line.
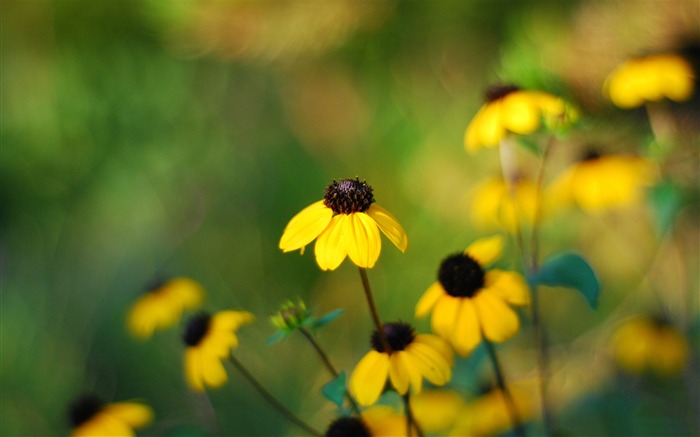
x=334, y=390
x=571, y=271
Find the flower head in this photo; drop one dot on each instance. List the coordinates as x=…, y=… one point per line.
x=599, y=183
x=90, y=416
x=162, y=305
x=291, y=316
x=468, y=301
x=345, y=223
x=649, y=79
x=508, y=109
x=209, y=339
x=650, y=344
x=410, y=357
x=498, y=205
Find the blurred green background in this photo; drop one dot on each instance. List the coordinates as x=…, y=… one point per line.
x=145, y=137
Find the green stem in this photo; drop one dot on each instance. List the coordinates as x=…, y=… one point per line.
x=373, y=309
x=271, y=399
x=411, y=423
x=510, y=404
x=329, y=365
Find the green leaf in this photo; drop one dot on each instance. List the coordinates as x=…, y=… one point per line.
x=334, y=390
x=278, y=336
x=328, y=317
x=529, y=144
x=667, y=200
x=571, y=271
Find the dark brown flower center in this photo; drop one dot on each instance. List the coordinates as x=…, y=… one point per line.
x=84, y=409
x=348, y=196
x=347, y=427
x=398, y=334
x=496, y=92
x=461, y=276
x=197, y=327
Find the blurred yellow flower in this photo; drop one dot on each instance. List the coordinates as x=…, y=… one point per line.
x=508, y=109
x=646, y=344
x=436, y=411
x=410, y=359
x=650, y=79
x=346, y=223
x=488, y=414
x=162, y=306
x=90, y=416
x=599, y=183
x=209, y=339
x=468, y=302
x=495, y=205
x=376, y=421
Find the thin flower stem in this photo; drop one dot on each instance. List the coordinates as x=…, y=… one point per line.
x=271, y=399
x=329, y=365
x=373, y=309
x=410, y=420
x=510, y=404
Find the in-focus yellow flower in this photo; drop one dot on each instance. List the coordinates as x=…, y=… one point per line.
x=508, y=109
x=488, y=414
x=410, y=358
x=347, y=223
x=376, y=421
x=650, y=79
x=436, y=411
x=494, y=206
x=162, y=306
x=468, y=302
x=600, y=183
x=90, y=416
x=209, y=339
x=645, y=344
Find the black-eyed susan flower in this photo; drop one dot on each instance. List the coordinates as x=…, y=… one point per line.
x=410, y=358
x=509, y=109
x=649, y=79
x=162, y=305
x=345, y=223
x=209, y=339
x=644, y=344
x=468, y=301
x=498, y=205
x=90, y=416
x=599, y=183
x=376, y=421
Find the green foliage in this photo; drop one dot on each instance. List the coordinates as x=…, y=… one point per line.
x=572, y=271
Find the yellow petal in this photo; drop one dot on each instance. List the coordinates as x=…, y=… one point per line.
x=444, y=316
x=490, y=128
x=471, y=135
x=305, y=226
x=330, y=248
x=438, y=344
x=520, y=113
x=436, y=410
x=133, y=414
x=193, y=368
x=429, y=298
x=467, y=332
x=429, y=363
x=362, y=240
x=103, y=425
x=509, y=286
x=213, y=372
x=486, y=250
x=230, y=320
x=367, y=380
x=498, y=321
x=186, y=292
x=399, y=372
x=389, y=226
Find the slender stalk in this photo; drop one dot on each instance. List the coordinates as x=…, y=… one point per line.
x=411, y=423
x=510, y=404
x=373, y=309
x=329, y=365
x=271, y=399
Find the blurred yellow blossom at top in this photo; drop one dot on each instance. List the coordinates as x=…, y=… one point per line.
x=497, y=205
x=650, y=79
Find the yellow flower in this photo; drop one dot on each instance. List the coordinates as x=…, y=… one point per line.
x=436, y=410
x=410, y=358
x=645, y=344
x=599, y=183
x=650, y=79
x=377, y=421
x=162, y=306
x=468, y=301
x=495, y=207
x=90, y=416
x=209, y=339
x=508, y=109
x=347, y=223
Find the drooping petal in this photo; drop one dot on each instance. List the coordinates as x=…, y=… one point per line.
x=486, y=250
x=399, y=372
x=389, y=226
x=213, y=372
x=467, y=332
x=444, y=316
x=520, y=113
x=429, y=298
x=305, y=226
x=362, y=240
x=132, y=413
x=430, y=363
x=439, y=344
x=490, y=128
x=509, y=286
x=193, y=368
x=367, y=380
x=471, y=135
x=330, y=248
x=498, y=321
x=230, y=320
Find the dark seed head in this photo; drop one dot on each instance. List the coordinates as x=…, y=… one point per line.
x=461, y=276
x=590, y=155
x=347, y=427
x=83, y=409
x=398, y=334
x=348, y=196
x=496, y=92
x=196, y=329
